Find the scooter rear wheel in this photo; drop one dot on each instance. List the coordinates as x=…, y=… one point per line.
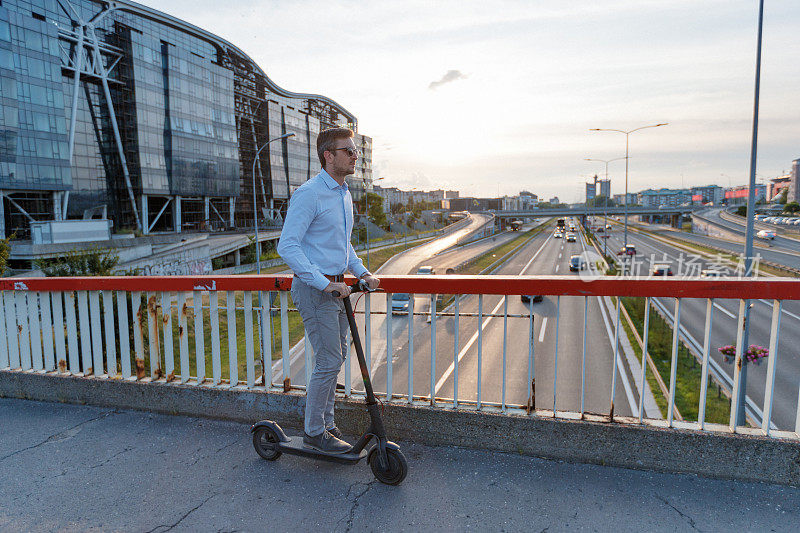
x=265, y=441
x=398, y=467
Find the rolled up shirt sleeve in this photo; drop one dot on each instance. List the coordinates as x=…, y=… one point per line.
x=302, y=209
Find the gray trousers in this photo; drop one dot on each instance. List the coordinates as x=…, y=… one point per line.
x=326, y=323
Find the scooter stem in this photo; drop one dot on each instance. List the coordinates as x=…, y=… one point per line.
x=362, y=362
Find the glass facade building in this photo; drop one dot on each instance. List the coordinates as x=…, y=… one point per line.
x=121, y=109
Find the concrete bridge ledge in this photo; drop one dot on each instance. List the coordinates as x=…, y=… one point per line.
x=643, y=447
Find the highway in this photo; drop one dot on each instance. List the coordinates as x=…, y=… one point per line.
x=786, y=244
x=724, y=322
x=541, y=255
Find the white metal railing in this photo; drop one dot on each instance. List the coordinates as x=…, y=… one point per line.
x=209, y=331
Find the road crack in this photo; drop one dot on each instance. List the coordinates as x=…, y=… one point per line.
x=98, y=465
x=355, y=502
x=685, y=516
x=181, y=519
x=64, y=435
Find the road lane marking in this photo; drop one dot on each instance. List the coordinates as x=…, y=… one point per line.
x=474, y=337
x=536, y=254
x=724, y=310
x=465, y=349
x=541, y=331
x=768, y=303
x=620, y=365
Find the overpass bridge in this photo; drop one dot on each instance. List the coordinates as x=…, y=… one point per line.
x=597, y=211
x=667, y=214
x=201, y=346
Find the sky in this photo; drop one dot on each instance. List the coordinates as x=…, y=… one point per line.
x=495, y=97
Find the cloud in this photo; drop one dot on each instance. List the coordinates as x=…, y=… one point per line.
x=449, y=76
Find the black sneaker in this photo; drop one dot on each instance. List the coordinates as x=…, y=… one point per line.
x=335, y=432
x=325, y=442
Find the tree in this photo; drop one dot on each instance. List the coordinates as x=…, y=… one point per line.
x=548, y=205
x=90, y=262
x=376, y=214
x=600, y=201
x=792, y=207
x=5, y=253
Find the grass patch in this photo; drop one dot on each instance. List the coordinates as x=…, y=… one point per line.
x=687, y=394
x=295, y=327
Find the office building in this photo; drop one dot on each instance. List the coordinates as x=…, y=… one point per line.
x=708, y=194
x=591, y=190
x=633, y=198
x=665, y=197
x=739, y=195
x=119, y=108
x=605, y=188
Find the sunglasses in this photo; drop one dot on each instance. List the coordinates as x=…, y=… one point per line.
x=350, y=151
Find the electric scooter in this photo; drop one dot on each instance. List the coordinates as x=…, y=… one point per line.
x=385, y=458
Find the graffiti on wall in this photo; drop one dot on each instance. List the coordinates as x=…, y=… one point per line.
x=183, y=262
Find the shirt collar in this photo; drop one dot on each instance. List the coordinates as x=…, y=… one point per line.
x=330, y=182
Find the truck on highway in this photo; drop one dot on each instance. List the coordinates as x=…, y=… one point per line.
x=560, y=223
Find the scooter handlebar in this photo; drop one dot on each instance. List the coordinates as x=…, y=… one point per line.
x=359, y=286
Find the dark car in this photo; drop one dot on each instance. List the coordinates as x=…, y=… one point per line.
x=661, y=269
x=526, y=298
x=577, y=263
x=627, y=250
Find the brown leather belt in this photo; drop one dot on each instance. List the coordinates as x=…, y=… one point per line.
x=338, y=278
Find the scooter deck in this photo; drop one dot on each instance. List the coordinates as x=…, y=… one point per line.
x=295, y=446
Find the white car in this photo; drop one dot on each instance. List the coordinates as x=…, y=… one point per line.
x=765, y=234
x=400, y=303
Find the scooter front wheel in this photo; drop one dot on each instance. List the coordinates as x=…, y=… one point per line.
x=265, y=441
x=398, y=467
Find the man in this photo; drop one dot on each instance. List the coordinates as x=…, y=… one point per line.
x=315, y=243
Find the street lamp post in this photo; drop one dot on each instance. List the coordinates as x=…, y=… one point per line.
x=740, y=385
x=255, y=208
x=627, y=133
x=258, y=253
x=605, y=205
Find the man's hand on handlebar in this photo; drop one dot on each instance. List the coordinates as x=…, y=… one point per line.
x=368, y=283
x=371, y=281
x=338, y=289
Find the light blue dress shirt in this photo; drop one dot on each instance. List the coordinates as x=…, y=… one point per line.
x=315, y=239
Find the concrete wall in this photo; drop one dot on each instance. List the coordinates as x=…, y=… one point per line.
x=712, y=454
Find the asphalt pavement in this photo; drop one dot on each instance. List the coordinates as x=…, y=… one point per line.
x=500, y=354
x=81, y=468
x=723, y=332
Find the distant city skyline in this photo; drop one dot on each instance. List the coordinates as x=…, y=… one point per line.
x=498, y=100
